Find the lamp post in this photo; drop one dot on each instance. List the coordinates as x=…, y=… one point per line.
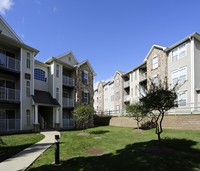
x=57, y=150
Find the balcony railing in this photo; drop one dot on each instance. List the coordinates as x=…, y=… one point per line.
x=143, y=77
x=68, y=81
x=9, y=63
x=126, y=84
x=68, y=102
x=9, y=94
x=126, y=98
x=68, y=123
x=9, y=124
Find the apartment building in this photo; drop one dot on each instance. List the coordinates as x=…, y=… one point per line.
x=36, y=95
x=177, y=63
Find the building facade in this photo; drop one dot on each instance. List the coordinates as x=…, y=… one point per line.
x=178, y=63
x=37, y=95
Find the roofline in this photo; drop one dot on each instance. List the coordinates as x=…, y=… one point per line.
x=42, y=63
x=194, y=35
x=20, y=44
x=154, y=46
x=51, y=59
x=66, y=53
x=86, y=61
x=7, y=25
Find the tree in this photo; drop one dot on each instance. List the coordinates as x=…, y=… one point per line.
x=159, y=98
x=136, y=111
x=83, y=114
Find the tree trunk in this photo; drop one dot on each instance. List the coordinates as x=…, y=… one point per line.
x=138, y=125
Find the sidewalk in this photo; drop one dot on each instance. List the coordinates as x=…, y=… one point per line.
x=25, y=158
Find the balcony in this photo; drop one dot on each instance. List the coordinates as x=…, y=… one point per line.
x=9, y=63
x=143, y=77
x=126, y=98
x=9, y=124
x=68, y=123
x=8, y=94
x=126, y=84
x=68, y=102
x=68, y=81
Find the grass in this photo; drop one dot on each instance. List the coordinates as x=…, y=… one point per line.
x=124, y=149
x=12, y=144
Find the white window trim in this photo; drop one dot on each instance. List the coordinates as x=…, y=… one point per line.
x=180, y=93
x=178, y=52
x=178, y=70
x=155, y=64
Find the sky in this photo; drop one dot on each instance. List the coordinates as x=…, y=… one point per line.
x=114, y=35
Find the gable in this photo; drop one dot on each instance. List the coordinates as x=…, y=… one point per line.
x=6, y=30
x=152, y=49
x=68, y=58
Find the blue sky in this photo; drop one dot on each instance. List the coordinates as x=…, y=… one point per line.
x=114, y=35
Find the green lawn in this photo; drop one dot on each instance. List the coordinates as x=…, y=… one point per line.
x=12, y=144
x=124, y=149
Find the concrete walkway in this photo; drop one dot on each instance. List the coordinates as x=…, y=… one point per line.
x=25, y=158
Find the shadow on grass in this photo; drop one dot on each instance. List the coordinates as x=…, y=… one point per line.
x=174, y=155
x=8, y=151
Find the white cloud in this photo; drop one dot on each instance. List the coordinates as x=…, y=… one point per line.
x=5, y=5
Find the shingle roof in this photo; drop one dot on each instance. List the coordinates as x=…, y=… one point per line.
x=44, y=98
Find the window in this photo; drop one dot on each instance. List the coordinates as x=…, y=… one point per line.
x=155, y=62
x=28, y=118
x=178, y=52
x=57, y=93
x=28, y=60
x=179, y=75
x=182, y=98
x=85, y=77
x=39, y=75
x=57, y=71
x=155, y=80
x=28, y=89
x=86, y=97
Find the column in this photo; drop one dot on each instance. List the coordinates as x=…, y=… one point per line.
x=57, y=124
x=36, y=114
x=36, y=125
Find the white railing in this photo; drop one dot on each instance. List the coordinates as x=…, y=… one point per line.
x=143, y=76
x=68, y=81
x=9, y=94
x=68, y=102
x=126, y=84
x=68, y=123
x=126, y=98
x=9, y=124
x=10, y=63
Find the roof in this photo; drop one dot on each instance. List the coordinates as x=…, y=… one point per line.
x=194, y=35
x=14, y=39
x=90, y=66
x=44, y=98
x=154, y=46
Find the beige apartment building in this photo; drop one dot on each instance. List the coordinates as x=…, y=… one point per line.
x=36, y=95
x=177, y=63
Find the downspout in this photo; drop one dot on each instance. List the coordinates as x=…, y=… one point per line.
x=192, y=74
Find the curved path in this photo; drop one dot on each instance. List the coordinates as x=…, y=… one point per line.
x=25, y=158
